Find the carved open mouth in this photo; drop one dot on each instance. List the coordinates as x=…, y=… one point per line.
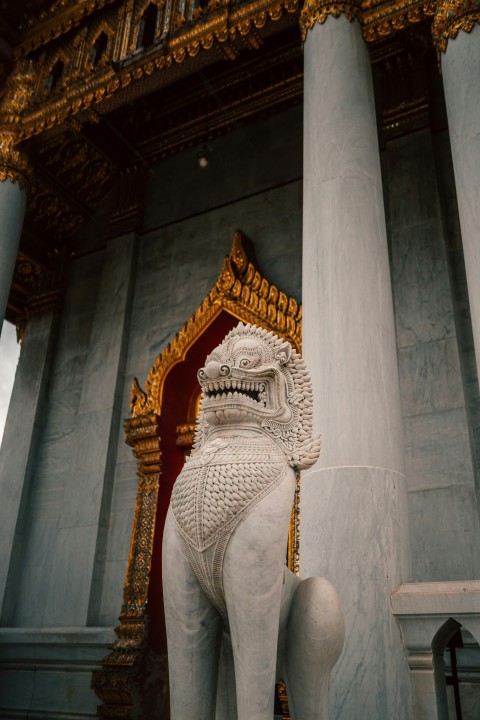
x=235, y=389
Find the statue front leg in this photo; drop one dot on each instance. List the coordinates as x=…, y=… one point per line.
x=193, y=633
x=253, y=573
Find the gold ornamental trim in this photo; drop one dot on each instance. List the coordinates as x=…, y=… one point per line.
x=242, y=291
x=379, y=20
x=451, y=17
x=68, y=31
x=14, y=163
x=55, y=21
x=82, y=87
x=382, y=20
x=317, y=11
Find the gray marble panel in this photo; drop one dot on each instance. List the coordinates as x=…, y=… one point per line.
x=47, y=673
x=112, y=591
x=439, y=550
x=249, y=160
x=30, y=589
x=412, y=165
x=16, y=688
x=437, y=450
x=85, y=482
x=423, y=305
x=66, y=600
x=125, y=490
x=430, y=377
x=438, y=453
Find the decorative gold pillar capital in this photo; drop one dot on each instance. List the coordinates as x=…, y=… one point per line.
x=14, y=163
x=317, y=11
x=451, y=17
x=19, y=90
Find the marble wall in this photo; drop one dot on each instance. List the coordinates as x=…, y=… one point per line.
x=438, y=454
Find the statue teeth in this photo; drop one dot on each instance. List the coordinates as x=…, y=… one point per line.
x=234, y=383
x=228, y=384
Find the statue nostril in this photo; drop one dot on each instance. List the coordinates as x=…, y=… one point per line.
x=212, y=370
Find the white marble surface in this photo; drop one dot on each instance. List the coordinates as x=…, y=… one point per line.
x=354, y=520
x=13, y=201
x=460, y=73
x=22, y=432
x=438, y=453
x=348, y=328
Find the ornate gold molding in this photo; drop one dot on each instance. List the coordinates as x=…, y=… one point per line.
x=382, y=20
x=242, y=291
x=379, y=20
x=81, y=86
x=14, y=163
x=451, y=17
x=17, y=97
x=317, y=11
x=60, y=18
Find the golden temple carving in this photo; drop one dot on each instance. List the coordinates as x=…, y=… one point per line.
x=72, y=83
x=317, y=11
x=90, y=52
x=17, y=98
x=14, y=164
x=451, y=17
x=382, y=20
x=378, y=20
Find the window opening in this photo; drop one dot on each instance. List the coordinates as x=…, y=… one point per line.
x=147, y=27
x=55, y=76
x=99, y=49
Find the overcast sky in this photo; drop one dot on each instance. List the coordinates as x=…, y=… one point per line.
x=9, y=352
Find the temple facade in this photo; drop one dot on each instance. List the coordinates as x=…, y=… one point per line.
x=168, y=167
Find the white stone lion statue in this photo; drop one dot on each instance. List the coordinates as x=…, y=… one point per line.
x=237, y=618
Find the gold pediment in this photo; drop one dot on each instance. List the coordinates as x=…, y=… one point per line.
x=240, y=290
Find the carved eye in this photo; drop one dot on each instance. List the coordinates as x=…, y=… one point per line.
x=247, y=362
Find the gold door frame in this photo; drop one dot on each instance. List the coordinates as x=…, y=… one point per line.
x=245, y=294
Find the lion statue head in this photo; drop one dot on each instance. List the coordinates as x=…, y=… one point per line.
x=256, y=379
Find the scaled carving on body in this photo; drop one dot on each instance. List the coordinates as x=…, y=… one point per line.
x=237, y=618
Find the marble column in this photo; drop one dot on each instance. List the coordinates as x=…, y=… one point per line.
x=12, y=211
x=18, y=454
x=456, y=32
x=353, y=518
x=89, y=485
